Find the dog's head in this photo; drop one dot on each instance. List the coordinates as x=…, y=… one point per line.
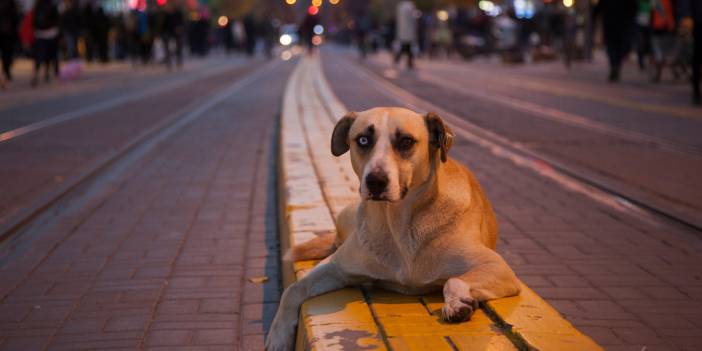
x=392, y=149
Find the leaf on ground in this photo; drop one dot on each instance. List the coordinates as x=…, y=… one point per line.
x=258, y=280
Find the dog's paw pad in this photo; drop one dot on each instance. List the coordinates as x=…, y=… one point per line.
x=457, y=311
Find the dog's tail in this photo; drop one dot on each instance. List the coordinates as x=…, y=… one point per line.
x=315, y=249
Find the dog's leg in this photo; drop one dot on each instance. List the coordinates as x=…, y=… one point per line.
x=325, y=277
x=489, y=278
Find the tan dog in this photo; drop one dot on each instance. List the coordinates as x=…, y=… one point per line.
x=422, y=223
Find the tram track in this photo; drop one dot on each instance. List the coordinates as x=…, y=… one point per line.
x=566, y=175
x=127, y=152
x=31, y=127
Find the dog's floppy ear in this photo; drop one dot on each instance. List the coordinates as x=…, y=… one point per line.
x=340, y=136
x=440, y=135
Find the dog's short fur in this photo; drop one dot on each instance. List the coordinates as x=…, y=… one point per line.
x=422, y=222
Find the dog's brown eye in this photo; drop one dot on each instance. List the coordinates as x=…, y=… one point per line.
x=406, y=143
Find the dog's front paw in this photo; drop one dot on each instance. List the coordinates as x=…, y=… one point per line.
x=280, y=342
x=458, y=310
x=459, y=306
x=281, y=336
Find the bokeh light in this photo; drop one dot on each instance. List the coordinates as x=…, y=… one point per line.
x=285, y=39
x=223, y=21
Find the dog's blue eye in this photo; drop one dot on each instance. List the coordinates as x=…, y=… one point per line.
x=362, y=141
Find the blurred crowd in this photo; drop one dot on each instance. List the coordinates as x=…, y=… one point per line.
x=58, y=36
x=662, y=33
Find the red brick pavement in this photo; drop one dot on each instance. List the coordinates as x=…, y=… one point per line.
x=631, y=284
x=160, y=257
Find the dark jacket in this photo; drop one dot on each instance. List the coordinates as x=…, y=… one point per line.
x=690, y=8
x=9, y=18
x=46, y=15
x=617, y=14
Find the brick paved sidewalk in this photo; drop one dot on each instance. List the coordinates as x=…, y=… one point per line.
x=166, y=255
x=631, y=284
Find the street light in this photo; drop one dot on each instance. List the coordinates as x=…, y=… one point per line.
x=568, y=3
x=316, y=3
x=290, y=2
x=333, y=2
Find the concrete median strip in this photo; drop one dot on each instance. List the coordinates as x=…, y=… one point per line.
x=314, y=187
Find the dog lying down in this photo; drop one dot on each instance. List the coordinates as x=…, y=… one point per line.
x=422, y=223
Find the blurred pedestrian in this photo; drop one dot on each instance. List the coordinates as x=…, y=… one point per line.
x=251, y=34
x=662, y=35
x=506, y=33
x=26, y=32
x=144, y=36
x=100, y=27
x=121, y=38
x=172, y=35
x=70, y=28
x=618, y=23
x=363, y=26
x=441, y=39
x=9, y=25
x=87, y=25
x=133, y=42
x=643, y=32
x=690, y=12
x=307, y=31
x=46, y=35
x=269, y=33
x=405, y=32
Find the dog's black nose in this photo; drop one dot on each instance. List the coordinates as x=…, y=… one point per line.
x=376, y=182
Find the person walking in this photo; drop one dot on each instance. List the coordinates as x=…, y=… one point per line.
x=690, y=13
x=663, y=35
x=251, y=34
x=9, y=24
x=46, y=35
x=71, y=28
x=306, y=31
x=618, y=24
x=643, y=32
x=406, y=32
x=100, y=29
x=172, y=35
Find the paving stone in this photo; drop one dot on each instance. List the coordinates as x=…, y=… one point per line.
x=165, y=253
